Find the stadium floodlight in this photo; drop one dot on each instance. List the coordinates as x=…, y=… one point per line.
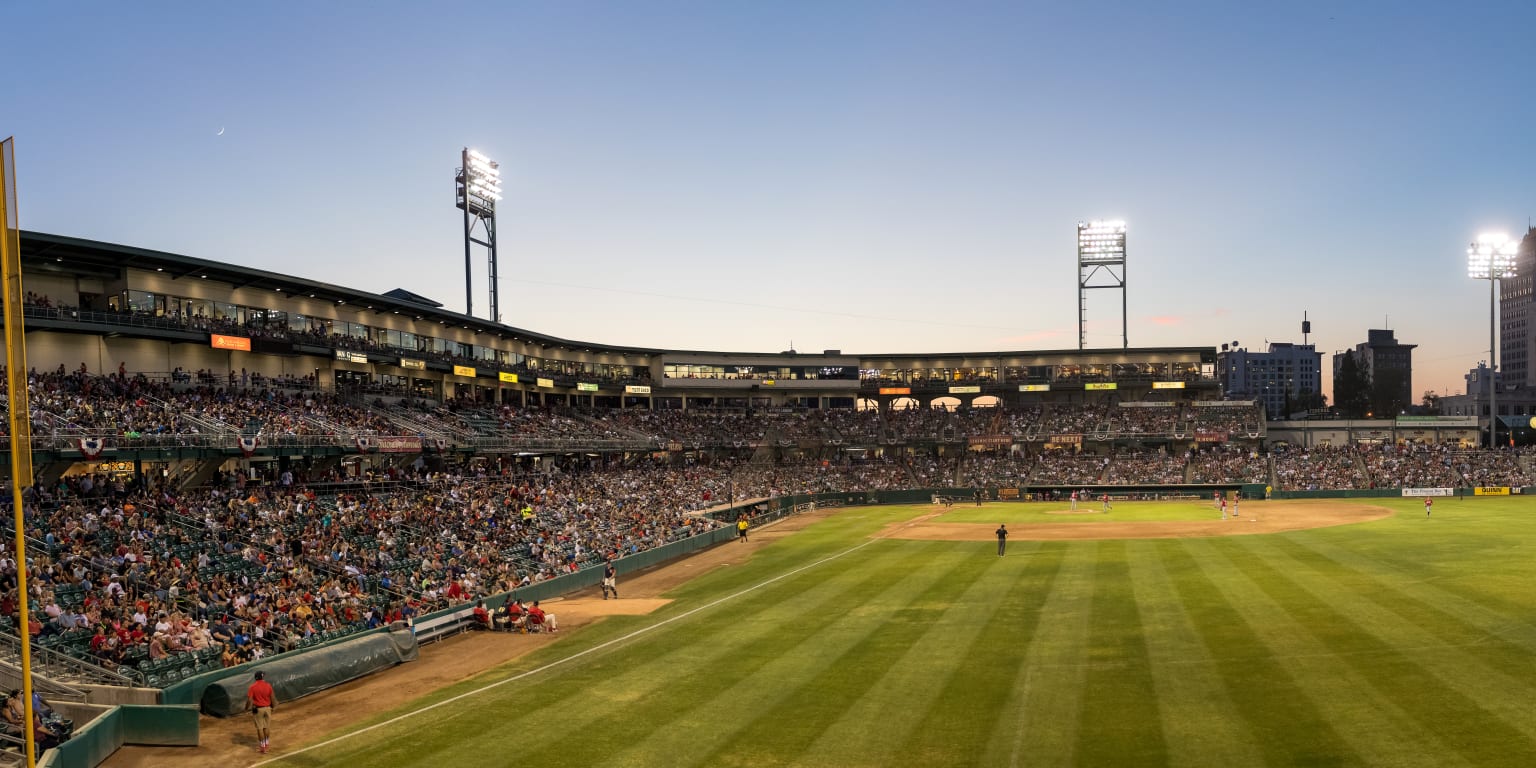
x=1100, y=251
x=1491, y=257
x=478, y=188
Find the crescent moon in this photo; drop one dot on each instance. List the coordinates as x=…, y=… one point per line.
x=220, y=133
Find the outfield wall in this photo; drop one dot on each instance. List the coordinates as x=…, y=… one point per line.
x=94, y=742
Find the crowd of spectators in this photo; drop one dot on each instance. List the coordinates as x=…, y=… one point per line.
x=1319, y=468
x=1132, y=467
x=1228, y=463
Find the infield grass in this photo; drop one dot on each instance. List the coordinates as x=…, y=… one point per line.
x=1403, y=641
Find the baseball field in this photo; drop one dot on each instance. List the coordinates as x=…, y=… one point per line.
x=1147, y=635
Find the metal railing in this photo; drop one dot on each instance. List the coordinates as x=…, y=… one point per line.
x=53, y=665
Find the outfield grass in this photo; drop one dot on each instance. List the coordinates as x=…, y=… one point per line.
x=1403, y=641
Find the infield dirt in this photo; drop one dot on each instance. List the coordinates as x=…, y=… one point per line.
x=1263, y=517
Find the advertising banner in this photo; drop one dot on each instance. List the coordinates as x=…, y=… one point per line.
x=583, y=386
x=398, y=444
x=992, y=440
x=415, y=365
x=239, y=343
x=637, y=389
x=509, y=378
x=969, y=390
x=1490, y=491
x=545, y=382
x=1065, y=439
x=1167, y=385
x=1429, y=492
x=464, y=370
x=1210, y=436
x=1100, y=385
x=1034, y=387
x=895, y=390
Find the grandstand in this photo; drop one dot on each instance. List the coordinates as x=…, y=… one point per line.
x=235, y=466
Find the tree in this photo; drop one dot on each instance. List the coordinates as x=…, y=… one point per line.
x=1352, y=388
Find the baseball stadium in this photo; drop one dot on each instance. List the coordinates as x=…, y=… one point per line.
x=444, y=540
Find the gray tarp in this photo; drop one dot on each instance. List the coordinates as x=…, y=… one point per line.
x=312, y=672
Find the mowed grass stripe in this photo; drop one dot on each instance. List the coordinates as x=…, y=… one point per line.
x=1265, y=695
x=564, y=704
x=960, y=719
x=711, y=653
x=1421, y=609
x=1372, y=722
x=697, y=718
x=1509, y=626
x=1196, y=711
x=1121, y=722
x=906, y=690
x=1038, y=724
x=1438, y=685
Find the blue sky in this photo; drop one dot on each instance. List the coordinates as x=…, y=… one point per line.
x=871, y=177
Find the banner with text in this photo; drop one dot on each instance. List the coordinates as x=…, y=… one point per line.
x=239, y=343
x=1429, y=492
x=398, y=444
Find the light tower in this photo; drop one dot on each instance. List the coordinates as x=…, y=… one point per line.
x=1100, y=253
x=1491, y=257
x=478, y=186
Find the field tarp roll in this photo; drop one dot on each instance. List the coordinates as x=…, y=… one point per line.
x=298, y=676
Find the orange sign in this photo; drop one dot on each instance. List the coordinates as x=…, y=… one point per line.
x=240, y=343
x=895, y=390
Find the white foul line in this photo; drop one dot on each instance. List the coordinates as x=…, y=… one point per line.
x=571, y=657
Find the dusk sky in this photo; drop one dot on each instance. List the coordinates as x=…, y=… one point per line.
x=870, y=177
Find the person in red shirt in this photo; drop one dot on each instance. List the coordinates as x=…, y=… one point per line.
x=482, y=616
x=262, y=698
x=539, y=620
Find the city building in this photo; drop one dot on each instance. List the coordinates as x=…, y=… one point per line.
x=1286, y=370
x=1517, y=319
x=1388, y=366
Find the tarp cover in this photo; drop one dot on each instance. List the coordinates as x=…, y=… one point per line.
x=298, y=676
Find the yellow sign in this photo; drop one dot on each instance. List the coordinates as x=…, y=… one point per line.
x=510, y=378
x=463, y=370
x=1490, y=491
x=767, y=382
x=1100, y=385
x=545, y=382
x=967, y=390
x=1167, y=385
x=1034, y=387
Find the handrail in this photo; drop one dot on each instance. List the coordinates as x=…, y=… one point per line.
x=47, y=660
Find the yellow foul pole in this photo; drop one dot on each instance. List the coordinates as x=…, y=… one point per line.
x=21, y=421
